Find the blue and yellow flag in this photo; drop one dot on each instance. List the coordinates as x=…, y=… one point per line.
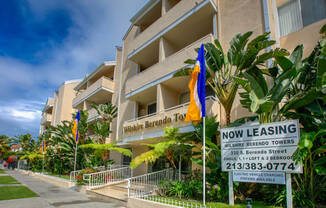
x=75, y=128
x=43, y=149
x=196, y=109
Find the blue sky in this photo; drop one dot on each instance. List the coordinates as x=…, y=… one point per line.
x=45, y=42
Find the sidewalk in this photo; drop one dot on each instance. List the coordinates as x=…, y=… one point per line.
x=51, y=196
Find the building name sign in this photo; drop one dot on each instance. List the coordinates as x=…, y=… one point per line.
x=266, y=147
x=177, y=117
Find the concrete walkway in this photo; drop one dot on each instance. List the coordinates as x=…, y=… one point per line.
x=51, y=196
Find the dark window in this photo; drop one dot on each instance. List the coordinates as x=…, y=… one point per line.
x=151, y=108
x=126, y=159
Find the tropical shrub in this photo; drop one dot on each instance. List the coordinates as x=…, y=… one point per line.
x=80, y=176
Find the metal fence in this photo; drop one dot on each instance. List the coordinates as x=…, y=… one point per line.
x=140, y=186
x=175, y=202
x=103, y=178
x=73, y=174
x=23, y=165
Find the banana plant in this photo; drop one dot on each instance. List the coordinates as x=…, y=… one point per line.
x=258, y=97
x=221, y=67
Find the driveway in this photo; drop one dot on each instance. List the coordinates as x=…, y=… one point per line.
x=51, y=196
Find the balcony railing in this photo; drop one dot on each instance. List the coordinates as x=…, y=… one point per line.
x=92, y=115
x=175, y=115
x=102, y=83
x=169, y=65
x=46, y=118
x=175, y=13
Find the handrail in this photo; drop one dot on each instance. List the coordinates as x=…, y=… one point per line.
x=146, y=184
x=73, y=174
x=104, y=178
x=169, y=109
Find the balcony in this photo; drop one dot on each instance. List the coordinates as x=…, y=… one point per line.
x=49, y=105
x=172, y=17
x=92, y=115
x=46, y=119
x=151, y=126
x=171, y=64
x=99, y=92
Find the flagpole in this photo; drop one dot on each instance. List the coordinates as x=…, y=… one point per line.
x=43, y=157
x=75, y=157
x=43, y=164
x=204, y=163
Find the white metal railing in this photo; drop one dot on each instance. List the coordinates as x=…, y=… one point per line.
x=169, y=109
x=73, y=174
x=104, y=178
x=145, y=184
x=176, y=202
x=23, y=165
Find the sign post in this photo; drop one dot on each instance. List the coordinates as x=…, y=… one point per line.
x=231, y=194
x=289, y=200
x=261, y=154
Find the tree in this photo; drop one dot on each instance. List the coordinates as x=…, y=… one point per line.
x=101, y=127
x=173, y=146
x=4, y=145
x=222, y=67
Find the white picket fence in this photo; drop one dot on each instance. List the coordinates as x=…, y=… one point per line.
x=140, y=186
x=104, y=178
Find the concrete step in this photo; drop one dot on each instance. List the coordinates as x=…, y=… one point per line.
x=116, y=195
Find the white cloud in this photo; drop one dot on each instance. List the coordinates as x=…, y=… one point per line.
x=28, y=115
x=99, y=26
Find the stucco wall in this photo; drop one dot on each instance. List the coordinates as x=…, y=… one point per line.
x=308, y=36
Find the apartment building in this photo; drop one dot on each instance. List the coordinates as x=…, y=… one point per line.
x=99, y=87
x=46, y=118
x=164, y=33
x=59, y=108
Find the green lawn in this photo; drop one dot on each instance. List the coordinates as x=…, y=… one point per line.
x=15, y=192
x=8, y=180
x=67, y=177
x=215, y=204
x=2, y=171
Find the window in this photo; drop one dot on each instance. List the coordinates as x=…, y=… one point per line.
x=184, y=98
x=151, y=108
x=296, y=14
x=126, y=160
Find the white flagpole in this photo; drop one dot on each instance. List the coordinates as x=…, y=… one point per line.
x=204, y=163
x=43, y=157
x=75, y=157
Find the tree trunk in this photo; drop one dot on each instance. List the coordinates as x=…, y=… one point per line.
x=228, y=116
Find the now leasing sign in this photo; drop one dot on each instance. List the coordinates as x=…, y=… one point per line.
x=266, y=147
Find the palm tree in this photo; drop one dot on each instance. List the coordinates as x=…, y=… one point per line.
x=101, y=127
x=242, y=56
x=4, y=145
x=173, y=145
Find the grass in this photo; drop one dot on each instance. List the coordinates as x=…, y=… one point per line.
x=67, y=177
x=15, y=192
x=8, y=180
x=2, y=171
x=210, y=204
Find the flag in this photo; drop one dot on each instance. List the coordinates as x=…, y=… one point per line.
x=196, y=109
x=75, y=128
x=42, y=149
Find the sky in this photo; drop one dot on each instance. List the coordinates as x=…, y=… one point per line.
x=46, y=42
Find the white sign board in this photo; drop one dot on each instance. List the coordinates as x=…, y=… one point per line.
x=259, y=177
x=266, y=147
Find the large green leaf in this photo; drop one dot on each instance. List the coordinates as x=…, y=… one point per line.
x=321, y=72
